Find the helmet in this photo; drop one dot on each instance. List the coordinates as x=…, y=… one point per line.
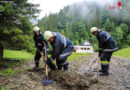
x=35, y=29
x=93, y=29
x=48, y=34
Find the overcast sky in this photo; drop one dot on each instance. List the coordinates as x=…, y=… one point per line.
x=52, y=6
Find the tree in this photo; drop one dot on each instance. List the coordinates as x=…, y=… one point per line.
x=109, y=26
x=128, y=39
x=75, y=21
x=124, y=28
x=118, y=36
x=15, y=26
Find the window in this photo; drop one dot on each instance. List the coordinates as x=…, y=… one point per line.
x=88, y=48
x=81, y=48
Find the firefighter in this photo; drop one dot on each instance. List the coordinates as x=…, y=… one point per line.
x=107, y=46
x=39, y=44
x=62, y=48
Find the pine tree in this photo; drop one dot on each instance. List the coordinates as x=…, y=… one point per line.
x=15, y=26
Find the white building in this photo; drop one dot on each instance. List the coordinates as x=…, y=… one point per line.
x=86, y=47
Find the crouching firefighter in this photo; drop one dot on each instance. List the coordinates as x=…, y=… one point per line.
x=107, y=46
x=62, y=48
x=39, y=44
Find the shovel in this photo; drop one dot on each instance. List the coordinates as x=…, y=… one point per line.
x=46, y=82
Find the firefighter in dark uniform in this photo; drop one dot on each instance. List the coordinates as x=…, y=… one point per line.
x=107, y=46
x=62, y=48
x=39, y=44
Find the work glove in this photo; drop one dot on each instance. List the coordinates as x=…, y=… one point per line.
x=50, y=64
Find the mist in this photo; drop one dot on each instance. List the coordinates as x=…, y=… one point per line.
x=87, y=9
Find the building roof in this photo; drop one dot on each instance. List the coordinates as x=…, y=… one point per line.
x=86, y=43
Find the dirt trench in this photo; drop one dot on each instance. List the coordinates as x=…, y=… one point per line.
x=82, y=75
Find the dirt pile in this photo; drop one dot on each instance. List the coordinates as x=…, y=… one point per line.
x=69, y=80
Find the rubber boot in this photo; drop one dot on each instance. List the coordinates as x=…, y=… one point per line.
x=100, y=71
x=104, y=70
x=66, y=67
x=59, y=67
x=103, y=73
x=36, y=65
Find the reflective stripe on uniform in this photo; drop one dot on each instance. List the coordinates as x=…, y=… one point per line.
x=100, y=48
x=104, y=62
x=63, y=39
x=64, y=63
x=110, y=49
x=36, y=61
x=65, y=54
x=108, y=36
x=39, y=44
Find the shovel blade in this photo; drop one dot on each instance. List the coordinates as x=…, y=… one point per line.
x=47, y=82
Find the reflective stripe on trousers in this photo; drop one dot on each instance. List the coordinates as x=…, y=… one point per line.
x=104, y=62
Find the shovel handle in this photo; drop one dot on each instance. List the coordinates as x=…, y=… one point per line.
x=45, y=60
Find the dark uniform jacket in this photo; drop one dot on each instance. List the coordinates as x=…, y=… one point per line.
x=106, y=42
x=59, y=44
x=39, y=42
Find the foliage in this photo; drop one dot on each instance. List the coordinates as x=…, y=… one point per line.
x=75, y=22
x=15, y=25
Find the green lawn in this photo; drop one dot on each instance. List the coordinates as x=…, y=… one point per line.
x=17, y=55
x=76, y=56
x=14, y=58
x=125, y=53
x=23, y=55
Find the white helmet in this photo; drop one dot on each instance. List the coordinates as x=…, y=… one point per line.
x=93, y=29
x=35, y=29
x=48, y=34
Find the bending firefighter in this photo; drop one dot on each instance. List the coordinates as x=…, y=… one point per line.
x=107, y=46
x=62, y=48
x=39, y=44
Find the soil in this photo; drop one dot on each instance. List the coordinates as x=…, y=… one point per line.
x=82, y=75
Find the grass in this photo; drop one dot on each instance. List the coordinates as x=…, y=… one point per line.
x=22, y=55
x=17, y=55
x=76, y=56
x=14, y=58
x=124, y=53
x=4, y=88
x=9, y=72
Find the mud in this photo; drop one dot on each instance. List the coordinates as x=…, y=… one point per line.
x=82, y=75
x=73, y=81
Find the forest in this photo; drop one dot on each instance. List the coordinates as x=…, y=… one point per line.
x=73, y=21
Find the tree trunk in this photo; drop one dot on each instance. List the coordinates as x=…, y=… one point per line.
x=1, y=52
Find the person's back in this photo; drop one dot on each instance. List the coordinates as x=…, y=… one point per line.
x=106, y=41
x=62, y=41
